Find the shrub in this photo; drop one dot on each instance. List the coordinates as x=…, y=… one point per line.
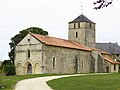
x=9, y=69
x=1, y=79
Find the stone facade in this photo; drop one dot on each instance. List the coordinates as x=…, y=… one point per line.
x=60, y=60
x=82, y=31
x=67, y=60
x=37, y=54
x=21, y=55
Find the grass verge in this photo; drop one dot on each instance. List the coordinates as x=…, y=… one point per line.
x=9, y=82
x=87, y=82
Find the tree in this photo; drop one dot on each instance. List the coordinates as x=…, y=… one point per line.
x=102, y=3
x=6, y=62
x=7, y=68
x=18, y=37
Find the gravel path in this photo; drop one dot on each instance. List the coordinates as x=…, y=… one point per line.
x=38, y=83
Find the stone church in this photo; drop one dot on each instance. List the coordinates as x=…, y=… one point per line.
x=38, y=54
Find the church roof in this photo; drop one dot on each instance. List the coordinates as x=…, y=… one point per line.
x=112, y=48
x=60, y=42
x=81, y=18
x=110, y=60
x=53, y=41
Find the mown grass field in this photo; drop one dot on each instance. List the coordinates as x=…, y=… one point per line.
x=9, y=81
x=87, y=82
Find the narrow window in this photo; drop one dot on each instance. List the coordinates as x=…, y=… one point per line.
x=82, y=64
x=114, y=67
x=28, y=53
x=78, y=25
x=53, y=63
x=74, y=25
x=76, y=34
x=90, y=25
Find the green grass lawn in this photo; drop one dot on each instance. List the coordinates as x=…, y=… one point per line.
x=9, y=81
x=87, y=82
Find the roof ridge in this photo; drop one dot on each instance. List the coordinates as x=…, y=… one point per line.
x=110, y=60
x=63, y=42
x=48, y=40
x=49, y=36
x=58, y=38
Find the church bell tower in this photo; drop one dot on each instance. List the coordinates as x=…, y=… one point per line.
x=82, y=30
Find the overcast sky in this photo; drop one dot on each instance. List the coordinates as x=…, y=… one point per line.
x=53, y=16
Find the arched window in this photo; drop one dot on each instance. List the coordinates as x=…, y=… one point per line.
x=28, y=53
x=82, y=64
x=76, y=34
x=90, y=25
x=54, y=62
x=78, y=25
x=74, y=25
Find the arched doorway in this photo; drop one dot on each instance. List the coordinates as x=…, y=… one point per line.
x=107, y=69
x=29, y=69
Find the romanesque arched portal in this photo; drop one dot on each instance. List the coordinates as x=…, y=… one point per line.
x=29, y=69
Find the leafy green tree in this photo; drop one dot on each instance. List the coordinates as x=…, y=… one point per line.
x=7, y=68
x=6, y=62
x=18, y=37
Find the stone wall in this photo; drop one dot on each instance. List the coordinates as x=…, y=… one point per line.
x=81, y=35
x=90, y=37
x=21, y=56
x=111, y=67
x=105, y=66
x=100, y=64
x=66, y=60
x=85, y=33
x=114, y=70
x=94, y=62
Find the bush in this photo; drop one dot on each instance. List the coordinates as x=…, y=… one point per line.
x=9, y=69
x=1, y=79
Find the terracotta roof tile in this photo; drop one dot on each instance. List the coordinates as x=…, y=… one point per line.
x=110, y=60
x=60, y=42
x=64, y=43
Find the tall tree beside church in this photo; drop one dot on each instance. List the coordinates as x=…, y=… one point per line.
x=102, y=3
x=18, y=37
